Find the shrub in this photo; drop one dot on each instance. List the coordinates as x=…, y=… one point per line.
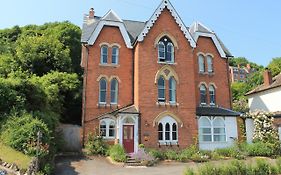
x=187, y=153
x=189, y=171
x=234, y=152
x=262, y=167
x=157, y=154
x=117, y=153
x=260, y=149
x=20, y=132
x=199, y=157
x=96, y=146
x=172, y=155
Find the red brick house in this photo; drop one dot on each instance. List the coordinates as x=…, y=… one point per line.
x=157, y=82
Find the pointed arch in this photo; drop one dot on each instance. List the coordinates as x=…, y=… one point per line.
x=167, y=72
x=165, y=114
x=172, y=38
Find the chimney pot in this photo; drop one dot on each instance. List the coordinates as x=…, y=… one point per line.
x=91, y=13
x=267, y=77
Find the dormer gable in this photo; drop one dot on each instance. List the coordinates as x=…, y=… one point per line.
x=166, y=4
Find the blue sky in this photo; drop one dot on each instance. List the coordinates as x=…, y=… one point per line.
x=248, y=28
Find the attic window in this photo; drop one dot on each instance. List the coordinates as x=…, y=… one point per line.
x=165, y=50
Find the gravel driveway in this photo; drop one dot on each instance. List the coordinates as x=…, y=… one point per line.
x=73, y=165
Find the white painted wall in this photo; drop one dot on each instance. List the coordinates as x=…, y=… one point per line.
x=267, y=100
x=249, y=129
x=231, y=132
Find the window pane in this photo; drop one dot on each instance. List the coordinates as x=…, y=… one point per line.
x=161, y=89
x=102, y=96
x=103, y=129
x=170, y=52
x=219, y=138
x=212, y=95
x=207, y=138
x=167, y=131
x=204, y=121
x=160, y=131
x=104, y=54
x=112, y=129
x=161, y=51
x=205, y=130
x=219, y=130
x=218, y=122
x=172, y=90
x=201, y=63
x=174, y=135
x=210, y=63
x=115, y=53
x=203, y=95
x=114, y=91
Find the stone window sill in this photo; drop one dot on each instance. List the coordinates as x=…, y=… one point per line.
x=109, y=65
x=167, y=103
x=169, y=63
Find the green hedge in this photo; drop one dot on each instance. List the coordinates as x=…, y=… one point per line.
x=117, y=153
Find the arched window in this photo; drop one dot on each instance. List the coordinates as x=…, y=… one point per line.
x=115, y=55
x=166, y=51
x=219, y=130
x=205, y=129
x=167, y=130
x=103, y=128
x=203, y=94
x=104, y=54
x=107, y=128
x=201, y=63
x=172, y=90
x=212, y=129
x=102, y=93
x=161, y=89
x=113, y=91
x=160, y=131
x=210, y=64
x=212, y=95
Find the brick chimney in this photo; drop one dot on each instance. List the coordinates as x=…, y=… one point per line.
x=267, y=77
x=91, y=13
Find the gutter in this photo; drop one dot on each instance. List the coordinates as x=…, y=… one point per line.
x=85, y=78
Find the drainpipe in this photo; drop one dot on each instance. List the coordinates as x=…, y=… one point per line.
x=85, y=77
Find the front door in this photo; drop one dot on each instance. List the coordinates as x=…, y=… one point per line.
x=128, y=138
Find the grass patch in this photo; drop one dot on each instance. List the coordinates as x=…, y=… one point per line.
x=10, y=155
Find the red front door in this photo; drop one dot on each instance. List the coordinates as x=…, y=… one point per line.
x=128, y=138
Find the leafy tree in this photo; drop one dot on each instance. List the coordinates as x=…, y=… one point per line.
x=239, y=89
x=242, y=61
x=275, y=66
x=40, y=55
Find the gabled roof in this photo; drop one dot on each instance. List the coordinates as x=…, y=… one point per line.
x=276, y=82
x=198, y=29
x=215, y=111
x=111, y=16
x=92, y=29
x=166, y=4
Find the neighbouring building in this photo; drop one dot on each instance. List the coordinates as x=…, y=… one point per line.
x=266, y=98
x=156, y=82
x=240, y=74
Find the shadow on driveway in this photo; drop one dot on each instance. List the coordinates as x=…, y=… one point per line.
x=67, y=165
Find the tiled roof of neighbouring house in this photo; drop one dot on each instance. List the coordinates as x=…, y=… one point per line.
x=276, y=82
x=215, y=111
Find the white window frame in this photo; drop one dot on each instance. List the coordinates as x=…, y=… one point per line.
x=205, y=89
x=168, y=120
x=160, y=59
x=172, y=90
x=108, y=122
x=172, y=53
x=211, y=120
x=212, y=92
x=115, y=91
x=161, y=88
x=201, y=63
x=102, y=54
x=210, y=64
x=100, y=90
x=116, y=55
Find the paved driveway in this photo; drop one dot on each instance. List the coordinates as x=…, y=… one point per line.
x=74, y=165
